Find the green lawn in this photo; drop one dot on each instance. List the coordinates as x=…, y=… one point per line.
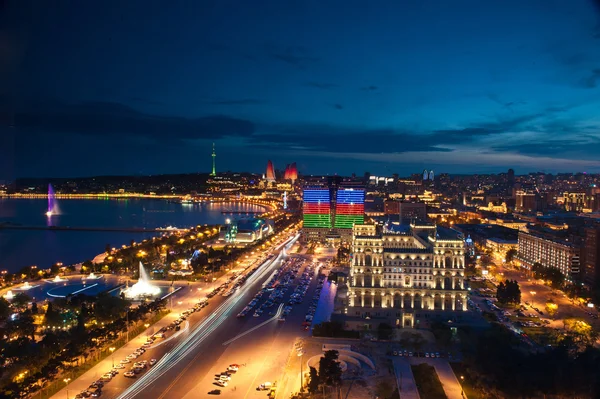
x=427, y=381
x=541, y=335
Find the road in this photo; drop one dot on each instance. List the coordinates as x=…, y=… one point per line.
x=210, y=322
x=179, y=369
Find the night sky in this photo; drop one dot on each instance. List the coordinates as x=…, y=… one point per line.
x=143, y=87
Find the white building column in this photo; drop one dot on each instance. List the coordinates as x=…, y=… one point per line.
x=362, y=299
x=464, y=302
x=372, y=299
x=453, y=302
x=412, y=301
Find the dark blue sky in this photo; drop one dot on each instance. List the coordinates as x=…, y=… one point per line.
x=336, y=86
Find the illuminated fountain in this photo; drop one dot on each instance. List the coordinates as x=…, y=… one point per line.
x=9, y=295
x=52, y=205
x=26, y=286
x=142, y=288
x=58, y=279
x=91, y=276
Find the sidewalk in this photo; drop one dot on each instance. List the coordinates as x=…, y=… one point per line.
x=450, y=383
x=405, y=379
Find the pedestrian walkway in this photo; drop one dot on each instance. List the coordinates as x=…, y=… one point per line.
x=405, y=379
x=452, y=387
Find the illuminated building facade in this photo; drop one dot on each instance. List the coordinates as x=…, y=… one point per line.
x=406, y=273
x=270, y=175
x=316, y=213
x=291, y=172
x=549, y=251
x=349, y=207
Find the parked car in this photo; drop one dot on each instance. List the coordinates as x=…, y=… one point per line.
x=129, y=374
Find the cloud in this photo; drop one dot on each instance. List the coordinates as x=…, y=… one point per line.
x=146, y=101
x=297, y=56
x=243, y=101
x=592, y=81
x=340, y=139
x=322, y=86
x=369, y=88
x=112, y=119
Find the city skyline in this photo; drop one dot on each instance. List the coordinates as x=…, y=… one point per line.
x=392, y=89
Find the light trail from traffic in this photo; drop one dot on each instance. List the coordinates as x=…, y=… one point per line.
x=203, y=330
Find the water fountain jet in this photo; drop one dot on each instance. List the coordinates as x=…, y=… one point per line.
x=143, y=288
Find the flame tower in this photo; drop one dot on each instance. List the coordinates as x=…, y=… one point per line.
x=270, y=172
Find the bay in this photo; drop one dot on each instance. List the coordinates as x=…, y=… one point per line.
x=19, y=248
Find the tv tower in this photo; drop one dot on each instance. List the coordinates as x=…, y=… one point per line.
x=214, y=155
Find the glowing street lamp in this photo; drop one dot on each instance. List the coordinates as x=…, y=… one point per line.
x=112, y=350
x=66, y=380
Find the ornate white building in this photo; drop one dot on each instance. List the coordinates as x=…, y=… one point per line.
x=406, y=272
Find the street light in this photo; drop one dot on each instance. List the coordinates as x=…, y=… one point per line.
x=112, y=352
x=66, y=380
x=301, y=356
x=462, y=391
x=532, y=297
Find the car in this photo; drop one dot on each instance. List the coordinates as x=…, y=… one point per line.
x=410, y=353
x=264, y=386
x=129, y=374
x=97, y=384
x=118, y=366
x=232, y=367
x=221, y=383
x=113, y=372
x=106, y=377
x=437, y=354
x=152, y=362
x=132, y=356
x=125, y=361
x=215, y=392
x=224, y=378
x=426, y=354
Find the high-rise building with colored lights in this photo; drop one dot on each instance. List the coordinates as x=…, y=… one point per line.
x=270, y=176
x=349, y=207
x=317, y=207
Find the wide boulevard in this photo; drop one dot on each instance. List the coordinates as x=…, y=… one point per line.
x=185, y=356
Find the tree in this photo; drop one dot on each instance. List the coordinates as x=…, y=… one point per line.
x=4, y=309
x=384, y=390
x=384, y=331
x=511, y=254
x=315, y=381
x=330, y=372
x=20, y=301
x=551, y=308
x=442, y=333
